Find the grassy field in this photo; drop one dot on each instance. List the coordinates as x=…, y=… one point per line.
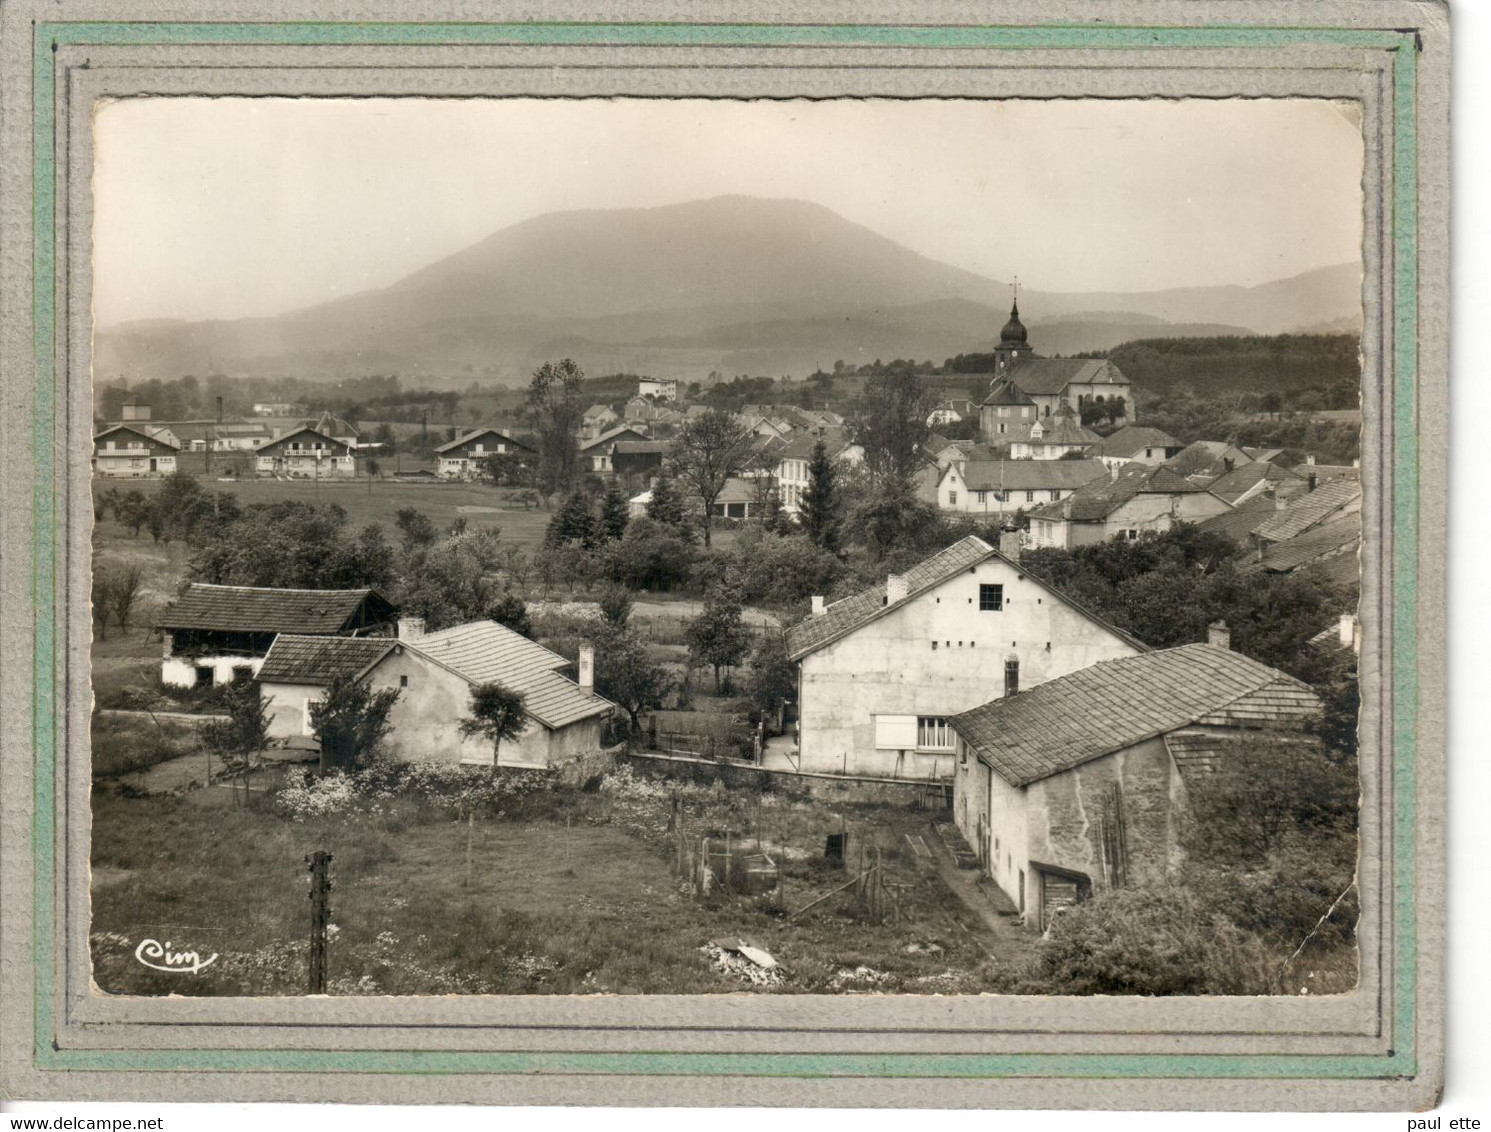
x=380, y=501
x=582, y=899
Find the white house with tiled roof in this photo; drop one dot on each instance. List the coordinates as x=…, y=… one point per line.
x=880, y=672
x=1002, y=487
x=1080, y=784
x=134, y=451
x=434, y=674
x=1129, y=501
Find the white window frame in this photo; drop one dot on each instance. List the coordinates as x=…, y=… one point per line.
x=934, y=733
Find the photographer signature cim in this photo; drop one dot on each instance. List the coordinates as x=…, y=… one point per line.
x=159, y=957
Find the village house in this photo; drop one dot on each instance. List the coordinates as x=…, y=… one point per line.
x=241, y=436
x=1002, y=487
x=595, y=420
x=638, y=461
x=600, y=452
x=461, y=459
x=1332, y=548
x=1136, y=444
x=658, y=388
x=220, y=634
x=1056, y=437
x=881, y=672
x=740, y=498
x=132, y=451
x=434, y=674
x=1007, y=413
x=1129, y=501
x=644, y=411
x=1333, y=499
x=1258, y=478
x=1050, y=383
x=305, y=453
x=1080, y=785
x=951, y=411
x=1205, y=460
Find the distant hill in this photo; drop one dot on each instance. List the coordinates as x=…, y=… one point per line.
x=736, y=284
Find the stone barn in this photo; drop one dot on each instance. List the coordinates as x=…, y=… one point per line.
x=1079, y=785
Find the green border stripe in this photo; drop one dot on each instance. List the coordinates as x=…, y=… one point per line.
x=46, y=539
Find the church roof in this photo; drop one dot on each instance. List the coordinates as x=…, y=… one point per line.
x=1049, y=376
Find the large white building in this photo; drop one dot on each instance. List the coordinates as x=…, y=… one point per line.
x=881, y=672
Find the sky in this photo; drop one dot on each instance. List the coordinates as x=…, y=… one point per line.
x=238, y=207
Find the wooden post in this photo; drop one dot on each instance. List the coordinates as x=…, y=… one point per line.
x=320, y=869
x=470, y=836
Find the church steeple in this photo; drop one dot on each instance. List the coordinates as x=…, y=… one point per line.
x=1014, y=340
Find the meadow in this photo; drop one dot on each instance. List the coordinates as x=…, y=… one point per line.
x=580, y=897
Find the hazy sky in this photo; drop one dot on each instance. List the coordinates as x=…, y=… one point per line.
x=223, y=208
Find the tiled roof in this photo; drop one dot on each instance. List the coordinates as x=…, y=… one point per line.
x=140, y=429
x=1131, y=439
x=640, y=447
x=1046, y=376
x=1062, y=431
x=1027, y=475
x=483, y=652
x=1336, y=536
x=1101, y=497
x=1240, y=480
x=477, y=434
x=1310, y=509
x=1006, y=392
x=613, y=434
x=1207, y=458
x=255, y=609
x=295, y=659
x=335, y=446
x=843, y=617
x=1240, y=522
x=1115, y=704
x=1328, y=471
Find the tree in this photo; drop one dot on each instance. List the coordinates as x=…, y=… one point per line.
x=616, y=605
x=718, y=637
x=236, y=739
x=512, y=611
x=415, y=527
x=665, y=506
x=773, y=676
x=497, y=713
x=650, y=556
x=626, y=675
x=555, y=410
x=614, y=513
x=352, y=721
x=819, y=513
x=133, y=510
x=124, y=592
x=890, y=423
x=454, y=581
x=709, y=450
x=572, y=523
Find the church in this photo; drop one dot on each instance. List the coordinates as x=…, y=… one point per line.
x=1025, y=388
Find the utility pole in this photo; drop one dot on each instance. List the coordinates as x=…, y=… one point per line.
x=319, y=864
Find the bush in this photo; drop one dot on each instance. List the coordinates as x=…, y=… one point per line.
x=1159, y=941
x=449, y=788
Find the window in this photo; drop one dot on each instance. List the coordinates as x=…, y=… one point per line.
x=933, y=734
x=1030, y=497
x=403, y=681
x=981, y=496
x=1133, y=534
x=990, y=597
x=895, y=732
x=1056, y=493
x=1011, y=676
x=952, y=498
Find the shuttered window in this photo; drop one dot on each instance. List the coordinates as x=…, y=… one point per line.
x=895, y=732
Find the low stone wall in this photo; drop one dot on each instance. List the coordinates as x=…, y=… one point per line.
x=829, y=788
x=588, y=765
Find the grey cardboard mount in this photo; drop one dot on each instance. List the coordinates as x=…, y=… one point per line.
x=62, y=1040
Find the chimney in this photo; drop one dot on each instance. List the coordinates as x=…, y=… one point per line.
x=1348, y=630
x=1310, y=460
x=1219, y=635
x=1010, y=544
x=1311, y=482
x=586, y=668
x=895, y=588
x=411, y=628
x=219, y=410
x=819, y=607
x=1113, y=470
